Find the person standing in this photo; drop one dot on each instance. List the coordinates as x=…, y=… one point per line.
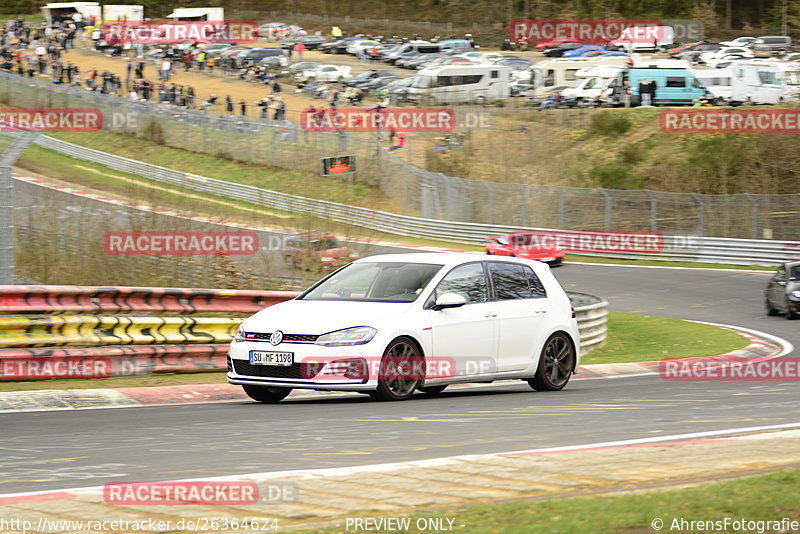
x=228, y=104
x=626, y=94
x=644, y=93
x=243, y=107
x=299, y=48
x=166, y=69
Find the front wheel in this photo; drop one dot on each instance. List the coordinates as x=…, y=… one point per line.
x=401, y=371
x=266, y=394
x=556, y=364
x=790, y=314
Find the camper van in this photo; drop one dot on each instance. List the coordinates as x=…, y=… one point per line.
x=212, y=14
x=67, y=9
x=123, y=13
x=456, y=84
x=562, y=73
x=758, y=81
x=418, y=47
x=593, y=82
x=674, y=87
x=719, y=83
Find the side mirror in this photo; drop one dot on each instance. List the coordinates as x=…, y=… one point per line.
x=449, y=300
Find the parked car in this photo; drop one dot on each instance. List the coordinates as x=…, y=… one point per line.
x=397, y=90
x=527, y=245
x=585, y=49
x=357, y=47
x=739, y=41
x=294, y=68
x=541, y=47
x=680, y=48
x=394, y=324
x=275, y=56
x=311, y=42
x=694, y=51
x=776, y=44
x=783, y=291
x=366, y=76
x=374, y=85
x=559, y=50
x=317, y=251
x=740, y=51
x=336, y=47
x=266, y=30
x=324, y=73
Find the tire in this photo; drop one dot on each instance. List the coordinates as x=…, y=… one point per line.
x=480, y=100
x=719, y=101
x=772, y=312
x=401, y=353
x=267, y=395
x=556, y=364
x=433, y=390
x=790, y=315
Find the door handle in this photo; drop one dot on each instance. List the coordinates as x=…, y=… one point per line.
x=540, y=310
x=491, y=314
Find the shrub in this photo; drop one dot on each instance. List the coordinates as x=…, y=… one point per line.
x=610, y=124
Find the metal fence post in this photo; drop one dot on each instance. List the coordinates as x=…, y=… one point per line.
x=653, y=210
x=756, y=215
x=561, y=203
x=523, y=205
x=701, y=215
x=489, y=203
x=607, y=209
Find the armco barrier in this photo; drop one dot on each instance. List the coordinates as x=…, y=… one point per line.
x=102, y=346
x=676, y=248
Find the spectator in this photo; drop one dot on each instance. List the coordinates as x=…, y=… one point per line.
x=243, y=107
x=166, y=69
x=228, y=104
x=299, y=48
x=551, y=101
x=626, y=93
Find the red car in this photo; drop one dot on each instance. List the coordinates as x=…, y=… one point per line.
x=317, y=251
x=555, y=42
x=525, y=245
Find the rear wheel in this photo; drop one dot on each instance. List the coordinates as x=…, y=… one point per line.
x=790, y=313
x=266, y=394
x=556, y=364
x=401, y=370
x=771, y=311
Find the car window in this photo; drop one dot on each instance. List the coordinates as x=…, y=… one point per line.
x=510, y=281
x=468, y=280
x=675, y=81
x=535, y=286
x=794, y=273
x=375, y=282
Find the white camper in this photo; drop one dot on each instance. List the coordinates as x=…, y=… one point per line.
x=593, y=82
x=760, y=82
x=562, y=73
x=123, y=13
x=719, y=83
x=67, y=9
x=213, y=14
x=460, y=84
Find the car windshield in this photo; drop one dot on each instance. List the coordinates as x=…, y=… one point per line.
x=375, y=282
x=423, y=82
x=794, y=273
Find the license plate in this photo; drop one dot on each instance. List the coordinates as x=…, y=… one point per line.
x=547, y=259
x=283, y=359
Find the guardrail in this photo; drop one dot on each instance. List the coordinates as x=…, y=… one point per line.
x=103, y=346
x=676, y=248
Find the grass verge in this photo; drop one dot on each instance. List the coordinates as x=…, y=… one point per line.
x=631, y=338
x=641, y=338
x=768, y=497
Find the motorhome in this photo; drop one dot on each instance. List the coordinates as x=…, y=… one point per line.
x=763, y=81
x=593, y=82
x=213, y=14
x=457, y=84
x=123, y=13
x=677, y=87
x=562, y=73
x=719, y=83
x=88, y=10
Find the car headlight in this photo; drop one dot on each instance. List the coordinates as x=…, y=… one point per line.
x=357, y=335
x=795, y=293
x=239, y=336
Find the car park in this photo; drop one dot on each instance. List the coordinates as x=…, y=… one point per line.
x=783, y=291
x=529, y=245
x=394, y=324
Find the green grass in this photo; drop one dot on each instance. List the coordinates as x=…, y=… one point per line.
x=639, y=338
x=767, y=497
x=631, y=338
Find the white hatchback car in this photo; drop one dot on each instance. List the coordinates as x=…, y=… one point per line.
x=392, y=324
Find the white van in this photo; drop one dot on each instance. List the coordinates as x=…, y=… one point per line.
x=760, y=82
x=562, y=73
x=719, y=83
x=460, y=84
x=593, y=82
x=419, y=47
x=644, y=38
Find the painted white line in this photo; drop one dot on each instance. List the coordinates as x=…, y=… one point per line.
x=786, y=346
x=437, y=462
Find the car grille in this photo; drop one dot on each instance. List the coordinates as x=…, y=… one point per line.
x=296, y=370
x=287, y=338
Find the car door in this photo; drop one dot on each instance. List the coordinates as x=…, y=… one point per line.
x=522, y=314
x=776, y=290
x=464, y=338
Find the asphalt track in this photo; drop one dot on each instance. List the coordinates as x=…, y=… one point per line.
x=53, y=450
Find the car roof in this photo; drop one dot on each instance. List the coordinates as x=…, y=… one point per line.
x=441, y=258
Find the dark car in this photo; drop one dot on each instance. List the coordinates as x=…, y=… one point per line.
x=336, y=47
x=317, y=251
x=697, y=49
x=309, y=41
x=783, y=291
x=367, y=76
x=559, y=50
x=269, y=56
